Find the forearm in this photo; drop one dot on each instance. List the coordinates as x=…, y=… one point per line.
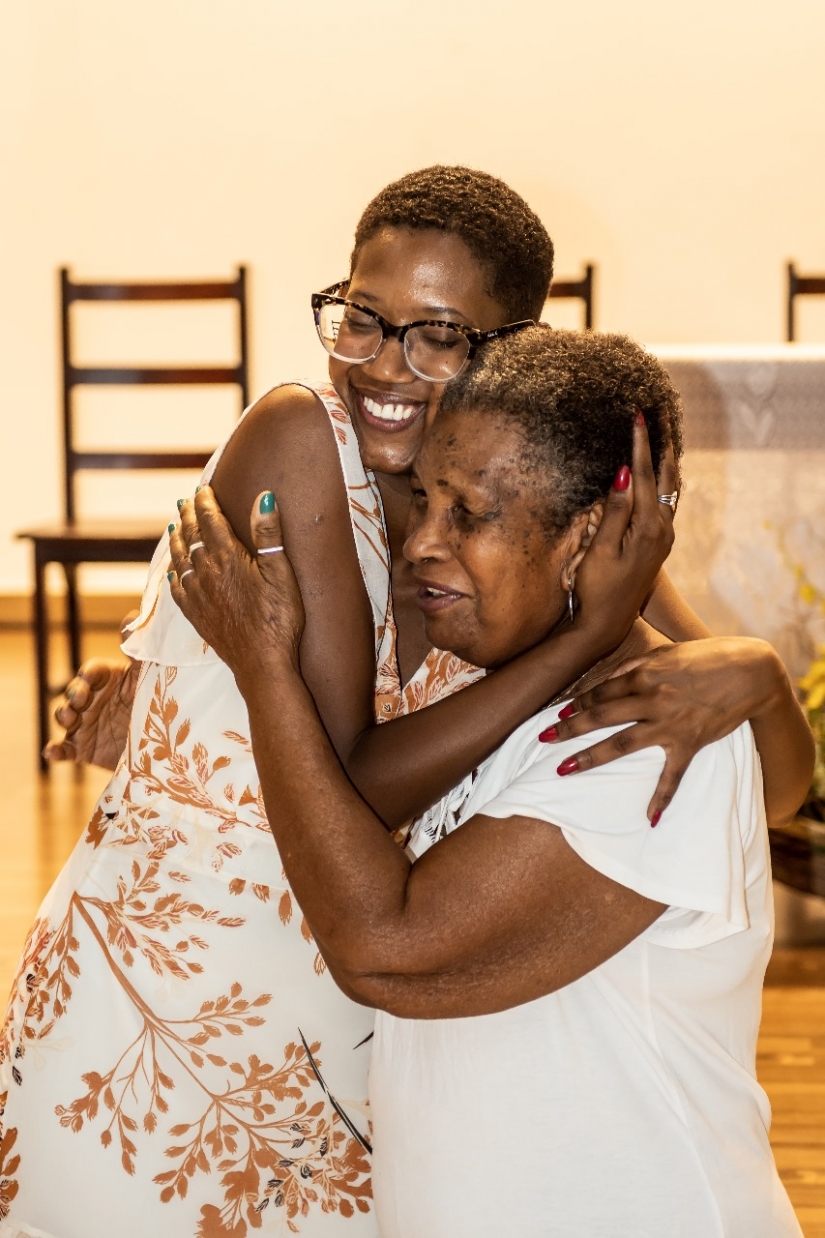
x=348, y=875
x=404, y=766
x=785, y=743
x=668, y=612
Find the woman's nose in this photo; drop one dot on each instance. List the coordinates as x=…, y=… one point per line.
x=425, y=537
x=390, y=363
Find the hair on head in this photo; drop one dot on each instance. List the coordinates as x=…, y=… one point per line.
x=573, y=396
x=494, y=222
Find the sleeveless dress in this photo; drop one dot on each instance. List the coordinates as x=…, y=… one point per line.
x=176, y=1059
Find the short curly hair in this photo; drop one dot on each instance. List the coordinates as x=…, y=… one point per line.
x=497, y=226
x=573, y=395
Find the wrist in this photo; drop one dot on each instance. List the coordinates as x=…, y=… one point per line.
x=597, y=633
x=261, y=670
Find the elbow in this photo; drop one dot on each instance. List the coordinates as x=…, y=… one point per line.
x=392, y=993
x=398, y=982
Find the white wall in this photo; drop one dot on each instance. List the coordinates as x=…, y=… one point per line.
x=679, y=146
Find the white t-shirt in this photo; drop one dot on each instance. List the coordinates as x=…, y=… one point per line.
x=624, y=1105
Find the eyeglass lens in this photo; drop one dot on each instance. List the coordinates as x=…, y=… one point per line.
x=437, y=353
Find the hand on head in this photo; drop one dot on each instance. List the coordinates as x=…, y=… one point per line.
x=633, y=541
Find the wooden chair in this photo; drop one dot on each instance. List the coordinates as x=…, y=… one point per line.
x=801, y=286
x=581, y=289
x=73, y=541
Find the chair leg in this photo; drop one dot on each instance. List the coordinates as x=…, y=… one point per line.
x=41, y=648
x=72, y=616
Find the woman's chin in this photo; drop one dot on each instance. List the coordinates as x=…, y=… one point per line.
x=455, y=643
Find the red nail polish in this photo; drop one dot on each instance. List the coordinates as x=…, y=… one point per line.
x=550, y=735
x=568, y=767
x=640, y=417
x=655, y=819
x=622, y=479
x=568, y=711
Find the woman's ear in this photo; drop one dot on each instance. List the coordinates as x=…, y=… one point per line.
x=584, y=530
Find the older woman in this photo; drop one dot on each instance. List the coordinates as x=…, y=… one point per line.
x=569, y=1002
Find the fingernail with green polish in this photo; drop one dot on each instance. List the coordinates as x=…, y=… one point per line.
x=198, y=489
x=170, y=575
x=267, y=504
x=170, y=528
x=181, y=503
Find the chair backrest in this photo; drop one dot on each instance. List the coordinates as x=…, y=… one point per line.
x=582, y=289
x=801, y=286
x=77, y=376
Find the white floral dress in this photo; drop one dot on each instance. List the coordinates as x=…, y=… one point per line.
x=176, y=1060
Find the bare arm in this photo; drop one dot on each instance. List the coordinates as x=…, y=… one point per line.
x=668, y=612
x=497, y=914
x=403, y=766
x=685, y=696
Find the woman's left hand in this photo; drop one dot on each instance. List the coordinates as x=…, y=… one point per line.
x=247, y=607
x=681, y=698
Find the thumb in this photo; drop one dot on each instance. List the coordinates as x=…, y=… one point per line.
x=265, y=528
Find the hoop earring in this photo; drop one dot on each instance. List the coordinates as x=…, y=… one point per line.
x=571, y=601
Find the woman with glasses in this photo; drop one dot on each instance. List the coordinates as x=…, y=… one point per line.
x=176, y=1056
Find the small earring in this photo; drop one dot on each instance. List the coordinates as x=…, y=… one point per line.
x=571, y=601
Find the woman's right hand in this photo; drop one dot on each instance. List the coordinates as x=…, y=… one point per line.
x=247, y=607
x=94, y=714
x=632, y=542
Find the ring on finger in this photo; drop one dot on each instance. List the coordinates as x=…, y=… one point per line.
x=269, y=550
x=190, y=571
x=670, y=500
x=197, y=546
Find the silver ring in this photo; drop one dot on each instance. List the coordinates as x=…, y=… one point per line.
x=197, y=546
x=190, y=571
x=269, y=550
x=670, y=500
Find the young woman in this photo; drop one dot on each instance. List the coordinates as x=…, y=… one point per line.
x=171, y=1014
x=568, y=1001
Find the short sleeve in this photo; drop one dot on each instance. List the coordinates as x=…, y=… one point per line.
x=694, y=860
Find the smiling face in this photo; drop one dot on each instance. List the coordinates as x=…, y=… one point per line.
x=491, y=583
x=407, y=275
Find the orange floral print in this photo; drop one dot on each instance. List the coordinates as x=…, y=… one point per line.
x=175, y=912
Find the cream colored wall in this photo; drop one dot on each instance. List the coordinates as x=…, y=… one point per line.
x=679, y=146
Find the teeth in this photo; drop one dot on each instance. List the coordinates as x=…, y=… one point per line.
x=437, y=593
x=388, y=412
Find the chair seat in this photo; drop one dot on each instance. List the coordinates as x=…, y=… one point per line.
x=88, y=541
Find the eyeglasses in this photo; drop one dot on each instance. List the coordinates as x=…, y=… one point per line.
x=433, y=349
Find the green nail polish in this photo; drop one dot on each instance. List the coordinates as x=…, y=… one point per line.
x=170, y=528
x=267, y=505
x=181, y=503
x=170, y=575
x=198, y=488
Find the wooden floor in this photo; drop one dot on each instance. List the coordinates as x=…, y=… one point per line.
x=42, y=817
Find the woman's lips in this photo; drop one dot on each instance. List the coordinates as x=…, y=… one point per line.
x=389, y=413
x=432, y=598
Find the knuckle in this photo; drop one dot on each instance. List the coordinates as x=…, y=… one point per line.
x=598, y=715
x=624, y=741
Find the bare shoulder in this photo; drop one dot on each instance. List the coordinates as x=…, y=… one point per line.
x=286, y=444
